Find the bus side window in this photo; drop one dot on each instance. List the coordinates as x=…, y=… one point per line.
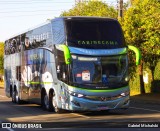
x=61, y=66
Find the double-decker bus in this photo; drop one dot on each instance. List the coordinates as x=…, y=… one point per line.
x=70, y=63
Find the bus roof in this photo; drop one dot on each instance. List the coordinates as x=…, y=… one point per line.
x=83, y=17
x=60, y=18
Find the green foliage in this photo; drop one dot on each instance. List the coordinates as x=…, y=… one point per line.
x=156, y=82
x=134, y=83
x=1, y=56
x=157, y=72
x=91, y=8
x=141, y=26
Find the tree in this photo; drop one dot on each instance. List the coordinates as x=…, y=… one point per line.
x=141, y=25
x=91, y=8
x=1, y=56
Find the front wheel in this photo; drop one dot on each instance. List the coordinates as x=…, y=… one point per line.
x=45, y=102
x=53, y=106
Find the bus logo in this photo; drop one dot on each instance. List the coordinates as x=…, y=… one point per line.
x=103, y=98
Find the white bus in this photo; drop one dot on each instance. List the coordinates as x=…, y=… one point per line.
x=70, y=63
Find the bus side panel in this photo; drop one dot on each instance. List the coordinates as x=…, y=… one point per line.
x=48, y=71
x=24, y=76
x=38, y=71
x=7, y=73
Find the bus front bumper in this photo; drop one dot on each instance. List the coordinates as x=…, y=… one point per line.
x=82, y=104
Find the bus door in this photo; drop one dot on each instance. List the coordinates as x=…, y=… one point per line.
x=34, y=84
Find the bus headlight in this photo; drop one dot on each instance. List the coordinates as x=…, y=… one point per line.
x=76, y=94
x=126, y=93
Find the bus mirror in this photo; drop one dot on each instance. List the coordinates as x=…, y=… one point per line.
x=137, y=52
x=67, y=54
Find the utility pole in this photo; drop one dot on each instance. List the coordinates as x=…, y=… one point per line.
x=120, y=9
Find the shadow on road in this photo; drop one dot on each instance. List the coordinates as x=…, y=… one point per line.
x=99, y=119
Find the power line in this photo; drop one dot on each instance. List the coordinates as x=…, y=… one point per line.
x=24, y=15
x=7, y=3
x=29, y=2
x=26, y=11
x=30, y=7
x=25, y=0
x=36, y=11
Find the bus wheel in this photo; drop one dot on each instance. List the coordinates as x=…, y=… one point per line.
x=45, y=103
x=14, y=96
x=18, y=101
x=54, y=103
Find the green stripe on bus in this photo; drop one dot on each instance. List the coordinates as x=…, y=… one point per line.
x=67, y=54
x=89, y=90
x=123, y=51
x=137, y=52
x=32, y=82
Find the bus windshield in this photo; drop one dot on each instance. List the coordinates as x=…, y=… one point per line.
x=94, y=34
x=102, y=71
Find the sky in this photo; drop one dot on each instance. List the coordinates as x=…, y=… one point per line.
x=16, y=16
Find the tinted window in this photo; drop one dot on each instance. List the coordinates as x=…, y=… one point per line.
x=94, y=33
x=109, y=70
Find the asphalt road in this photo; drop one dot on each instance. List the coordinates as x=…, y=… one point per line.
x=137, y=115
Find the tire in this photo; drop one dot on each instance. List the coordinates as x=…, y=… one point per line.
x=53, y=104
x=50, y=103
x=13, y=96
x=45, y=101
x=18, y=101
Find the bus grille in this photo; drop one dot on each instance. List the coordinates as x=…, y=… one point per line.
x=101, y=98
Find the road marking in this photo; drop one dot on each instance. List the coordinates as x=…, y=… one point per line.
x=80, y=115
x=2, y=96
x=145, y=109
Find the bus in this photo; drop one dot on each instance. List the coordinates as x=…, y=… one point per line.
x=69, y=63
